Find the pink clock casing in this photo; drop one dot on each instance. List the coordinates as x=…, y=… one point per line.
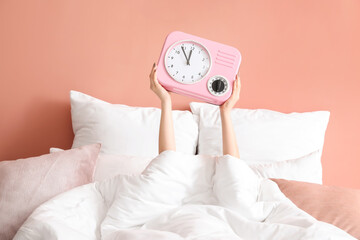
x=225, y=62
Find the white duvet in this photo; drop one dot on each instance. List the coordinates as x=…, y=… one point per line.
x=178, y=196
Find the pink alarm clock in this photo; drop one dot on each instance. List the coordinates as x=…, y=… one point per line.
x=197, y=67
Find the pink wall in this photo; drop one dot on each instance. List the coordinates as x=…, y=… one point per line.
x=297, y=56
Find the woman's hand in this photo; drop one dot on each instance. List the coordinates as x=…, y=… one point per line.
x=228, y=135
x=157, y=88
x=230, y=103
x=166, y=130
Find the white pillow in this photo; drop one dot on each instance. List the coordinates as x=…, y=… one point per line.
x=262, y=135
x=301, y=169
x=124, y=130
x=108, y=166
x=305, y=169
x=274, y=144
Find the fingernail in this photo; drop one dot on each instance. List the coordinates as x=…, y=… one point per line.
x=154, y=65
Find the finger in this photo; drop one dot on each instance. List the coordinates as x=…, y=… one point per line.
x=235, y=86
x=233, y=94
x=151, y=78
x=238, y=84
x=152, y=68
x=155, y=77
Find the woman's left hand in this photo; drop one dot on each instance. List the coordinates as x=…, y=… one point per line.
x=230, y=103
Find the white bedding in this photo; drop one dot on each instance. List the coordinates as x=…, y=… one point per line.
x=178, y=196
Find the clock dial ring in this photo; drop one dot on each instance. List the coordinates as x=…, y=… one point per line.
x=187, y=57
x=218, y=85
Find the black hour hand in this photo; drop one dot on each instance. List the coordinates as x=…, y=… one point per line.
x=188, y=61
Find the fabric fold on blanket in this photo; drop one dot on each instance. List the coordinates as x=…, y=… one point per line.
x=179, y=196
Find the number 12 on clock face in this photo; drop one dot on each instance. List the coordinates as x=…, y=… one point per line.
x=187, y=62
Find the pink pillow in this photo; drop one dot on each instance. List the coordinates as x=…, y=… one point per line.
x=108, y=166
x=27, y=183
x=334, y=205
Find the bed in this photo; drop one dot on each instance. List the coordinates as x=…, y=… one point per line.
x=178, y=196
x=128, y=191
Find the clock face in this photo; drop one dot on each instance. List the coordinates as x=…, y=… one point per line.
x=187, y=62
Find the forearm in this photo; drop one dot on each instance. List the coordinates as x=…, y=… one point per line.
x=166, y=131
x=228, y=134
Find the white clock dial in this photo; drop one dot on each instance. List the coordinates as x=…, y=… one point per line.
x=187, y=62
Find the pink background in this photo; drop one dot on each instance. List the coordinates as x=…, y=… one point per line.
x=297, y=56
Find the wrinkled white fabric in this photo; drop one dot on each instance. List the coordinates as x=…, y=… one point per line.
x=177, y=197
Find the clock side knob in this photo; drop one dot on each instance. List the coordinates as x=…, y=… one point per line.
x=218, y=85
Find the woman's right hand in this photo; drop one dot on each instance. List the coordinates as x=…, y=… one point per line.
x=156, y=87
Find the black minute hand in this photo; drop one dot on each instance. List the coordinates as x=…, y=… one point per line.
x=187, y=60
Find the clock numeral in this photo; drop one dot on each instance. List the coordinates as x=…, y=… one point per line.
x=175, y=68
